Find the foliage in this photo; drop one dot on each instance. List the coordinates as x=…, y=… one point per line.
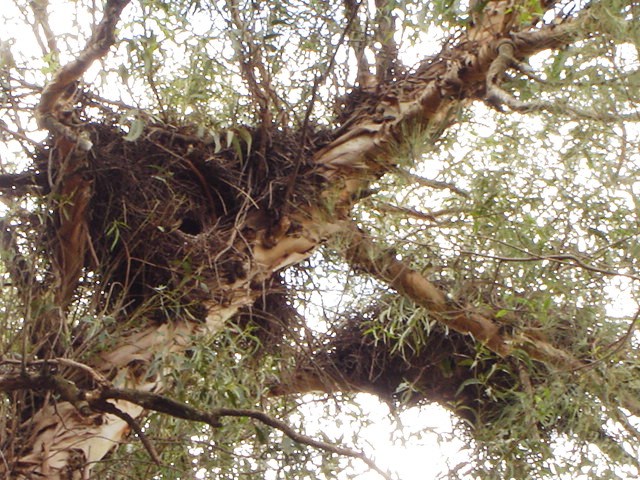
x=529, y=218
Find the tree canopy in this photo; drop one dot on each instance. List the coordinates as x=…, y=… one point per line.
x=225, y=221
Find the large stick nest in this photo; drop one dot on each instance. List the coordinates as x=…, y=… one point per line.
x=167, y=209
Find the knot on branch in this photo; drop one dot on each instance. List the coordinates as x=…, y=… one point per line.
x=70, y=392
x=505, y=46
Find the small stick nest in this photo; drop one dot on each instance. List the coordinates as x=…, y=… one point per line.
x=445, y=369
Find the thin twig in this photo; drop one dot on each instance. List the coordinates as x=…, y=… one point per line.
x=429, y=183
x=41, y=16
x=411, y=212
x=617, y=345
x=111, y=408
x=19, y=136
x=67, y=362
x=162, y=404
x=559, y=258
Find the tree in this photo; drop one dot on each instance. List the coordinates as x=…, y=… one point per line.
x=214, y=172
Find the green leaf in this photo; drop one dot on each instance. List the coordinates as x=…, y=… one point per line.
x=230, y=137
x=246, y=137
x=135, y=130
x=216, y=140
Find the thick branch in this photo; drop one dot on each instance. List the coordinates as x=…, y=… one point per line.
x=97, y=46
x=535, y=40
x=12, y=383
x=363, y=254
x=16, y=183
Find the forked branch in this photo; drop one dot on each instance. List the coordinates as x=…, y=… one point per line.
x=497, y=97
x=98, y=45
x=162, y=404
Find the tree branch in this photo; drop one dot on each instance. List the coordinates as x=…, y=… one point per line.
x=535, y=40
x=362, y=253
x=413, y=213
x=162, y=404
x=358, y=42
x=99, y=379
x=429, y=183
x=20, y=269
x=18, y=135
x=39, y=8
x=387, y=56
x=562, y=258
x=97, y=46
x=496, y=96
x=107, y=407
x=12, y=383
x=12, y=182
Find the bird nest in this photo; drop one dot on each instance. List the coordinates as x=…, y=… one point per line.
x=166, y=210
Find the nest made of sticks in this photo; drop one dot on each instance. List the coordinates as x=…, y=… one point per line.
x=165, y=208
